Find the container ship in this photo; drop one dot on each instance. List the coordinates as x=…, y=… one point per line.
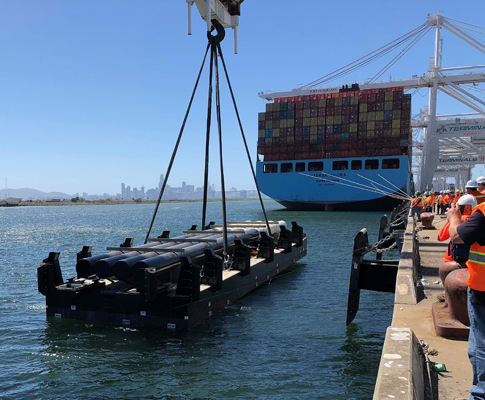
x=345, y=149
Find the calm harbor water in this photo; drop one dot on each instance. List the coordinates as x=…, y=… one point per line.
x=286, y=340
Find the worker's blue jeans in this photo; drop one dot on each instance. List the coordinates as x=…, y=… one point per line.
x=476, y=342
x=416, y=210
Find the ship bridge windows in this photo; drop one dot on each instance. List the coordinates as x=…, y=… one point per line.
x=300, y=167
x=390, y=163
x=340, y=165
x=371, y=164
x=270, y=168
x=356, y=165
x=315, y=166
x=286, y=167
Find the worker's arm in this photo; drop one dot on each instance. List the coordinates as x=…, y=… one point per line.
x=454, y=218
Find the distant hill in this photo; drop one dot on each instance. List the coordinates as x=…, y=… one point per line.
x=32, y=194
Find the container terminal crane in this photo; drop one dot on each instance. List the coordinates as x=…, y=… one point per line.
x=325, y=136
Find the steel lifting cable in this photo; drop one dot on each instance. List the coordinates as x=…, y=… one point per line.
x=369, y=57
x=219, y=128
x=400, y=55
x=207, y=140
x=176, y=147
x=244, y=140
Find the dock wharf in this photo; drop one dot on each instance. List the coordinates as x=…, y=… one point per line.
x=403, y=370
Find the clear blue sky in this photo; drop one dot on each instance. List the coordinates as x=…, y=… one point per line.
x=93, y=92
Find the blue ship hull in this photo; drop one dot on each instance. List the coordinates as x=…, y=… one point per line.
x=335, y=190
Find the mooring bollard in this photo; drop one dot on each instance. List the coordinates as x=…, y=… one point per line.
x=456, y=295
x=427, y=221
x=451, y=317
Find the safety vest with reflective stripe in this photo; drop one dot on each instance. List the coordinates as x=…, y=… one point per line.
x=476, y=261
x=418, y=201
x=441, y=199
x=457, y=197
x=430, y=200
x=480, y=196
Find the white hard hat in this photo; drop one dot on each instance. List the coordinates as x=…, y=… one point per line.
x=467, y=199
x=472, y=184
x=481, y=180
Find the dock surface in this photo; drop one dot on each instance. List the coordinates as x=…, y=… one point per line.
x=457, y=381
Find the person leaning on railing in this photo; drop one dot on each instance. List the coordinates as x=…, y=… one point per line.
x=472, y=232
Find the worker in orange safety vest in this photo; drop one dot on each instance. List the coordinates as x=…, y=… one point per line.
x=472, y=232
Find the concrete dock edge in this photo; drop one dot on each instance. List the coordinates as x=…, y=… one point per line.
x=403, y=373
x=408, y=266
x=401, y=368
x=400, y=373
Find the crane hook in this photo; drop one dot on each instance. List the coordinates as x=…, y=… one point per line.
x=221, y=32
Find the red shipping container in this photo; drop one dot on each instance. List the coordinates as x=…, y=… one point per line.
x=298, y=98
x=313, y=97
x=277, y=100
x=305, y=98
x=344, y=146
x=375, y=91
x=344, y=153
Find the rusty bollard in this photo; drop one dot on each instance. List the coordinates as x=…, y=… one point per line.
x=451, y=318
x=448, y=267
x=456, y=295
x=427, y=221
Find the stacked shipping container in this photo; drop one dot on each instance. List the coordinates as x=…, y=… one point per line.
x=348, y=124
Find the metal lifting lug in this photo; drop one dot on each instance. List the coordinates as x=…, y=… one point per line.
x=221, y=32
x=188, y=286
x=266, y=247
x=212, y=270
x=127, y=243
x=298, y=234
x=49, y=274
x=285, y=241
x=85, y=252
x=242, y=257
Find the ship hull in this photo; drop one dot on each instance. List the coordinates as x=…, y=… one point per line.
x=328, y=189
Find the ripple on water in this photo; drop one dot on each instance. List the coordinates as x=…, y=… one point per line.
x=286, y=340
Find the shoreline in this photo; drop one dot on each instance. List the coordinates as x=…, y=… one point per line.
x=38, y=203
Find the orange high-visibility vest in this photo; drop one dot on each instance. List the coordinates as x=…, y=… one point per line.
x=476, y=261
x=445, y=235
